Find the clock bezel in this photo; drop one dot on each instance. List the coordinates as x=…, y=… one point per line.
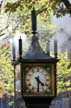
x=52, y=78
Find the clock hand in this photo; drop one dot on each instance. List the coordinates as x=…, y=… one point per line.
x=38, y=82
x=41, y=83
x=37, y=78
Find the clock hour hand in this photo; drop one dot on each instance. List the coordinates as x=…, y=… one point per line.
x=37, y=78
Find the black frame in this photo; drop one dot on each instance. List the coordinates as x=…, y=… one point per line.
x=23, y=65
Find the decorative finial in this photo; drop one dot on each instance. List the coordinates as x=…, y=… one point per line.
x=20, y=47
x=55, y=48
x=34, y=21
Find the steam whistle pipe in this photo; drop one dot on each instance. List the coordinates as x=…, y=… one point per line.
x=20, y=47
x=34, y=21
x=55, y=48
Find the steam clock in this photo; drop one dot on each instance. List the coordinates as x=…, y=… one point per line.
x=38, y=72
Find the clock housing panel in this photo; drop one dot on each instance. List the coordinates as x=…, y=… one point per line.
x=38, y=79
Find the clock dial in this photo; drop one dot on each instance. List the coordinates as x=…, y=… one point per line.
x=37, y=80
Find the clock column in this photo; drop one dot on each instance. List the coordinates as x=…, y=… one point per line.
x=34, y=58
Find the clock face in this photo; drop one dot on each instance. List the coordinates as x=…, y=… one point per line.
x=37, y=80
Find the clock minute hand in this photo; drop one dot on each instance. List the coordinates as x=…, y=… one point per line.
x=41, y=83
x=37, y=79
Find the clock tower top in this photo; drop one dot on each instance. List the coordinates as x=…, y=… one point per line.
x=35, y=52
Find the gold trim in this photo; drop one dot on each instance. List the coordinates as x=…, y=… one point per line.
x=52, y=81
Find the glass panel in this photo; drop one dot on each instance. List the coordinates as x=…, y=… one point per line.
x=18, y=81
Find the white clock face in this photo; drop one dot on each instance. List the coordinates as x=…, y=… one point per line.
x=37, y=79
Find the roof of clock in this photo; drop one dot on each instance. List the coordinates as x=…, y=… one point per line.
x=35, y=54
x=35, y=51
